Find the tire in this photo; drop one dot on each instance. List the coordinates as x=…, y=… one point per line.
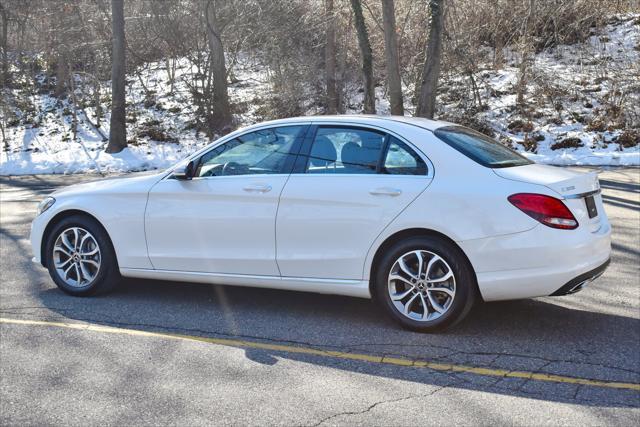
x=64, y=254
x=446, y=257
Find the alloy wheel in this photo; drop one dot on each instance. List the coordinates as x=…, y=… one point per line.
x=421, y=285
x=76, y=257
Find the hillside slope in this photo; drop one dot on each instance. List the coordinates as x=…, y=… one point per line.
x=583, y=109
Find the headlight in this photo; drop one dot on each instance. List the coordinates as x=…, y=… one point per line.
x=45, y=204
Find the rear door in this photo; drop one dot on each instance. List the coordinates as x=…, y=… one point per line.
x=348, y=184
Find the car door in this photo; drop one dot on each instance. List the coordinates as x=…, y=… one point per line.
x=348, y=185
x=223, y=220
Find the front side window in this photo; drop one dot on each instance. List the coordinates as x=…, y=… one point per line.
x=480, y=148
x=345, y=150
x=265, y=151
x=402, y=160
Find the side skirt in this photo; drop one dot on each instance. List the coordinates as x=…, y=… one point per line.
x=351, y=288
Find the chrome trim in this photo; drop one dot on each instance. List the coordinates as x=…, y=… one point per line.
x=582, y=195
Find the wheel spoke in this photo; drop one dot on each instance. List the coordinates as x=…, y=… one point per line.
x=91, y=252
x=84, y=238
x=420, y=262
x=90, y=262
x=441, y=289
x=444, y=278
x=401, y=295
x=437, y=307
x=66, y=272
x=75, y=238
x=65, y=240
x=85, y=272
x=78, y=275
x=398, y=277
x=61, y=249
x=432, y=261
x=62, y=264
x=425, y=310
x=407, y=306
x=405, y=268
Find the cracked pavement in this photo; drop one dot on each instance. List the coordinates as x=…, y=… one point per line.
x=58, y=376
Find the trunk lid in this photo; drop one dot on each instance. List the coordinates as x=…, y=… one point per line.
x=563, y=181
x=580, y=190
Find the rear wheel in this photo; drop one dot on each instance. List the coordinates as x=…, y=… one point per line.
x=425, y=284
x=80, y=257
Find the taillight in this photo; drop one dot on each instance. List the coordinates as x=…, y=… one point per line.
x=546, y=209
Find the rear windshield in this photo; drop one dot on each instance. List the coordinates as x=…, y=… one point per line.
x=480, y=148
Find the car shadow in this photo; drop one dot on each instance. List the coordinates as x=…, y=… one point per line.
x=528, y=335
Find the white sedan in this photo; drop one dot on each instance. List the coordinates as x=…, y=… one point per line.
x=424, y=217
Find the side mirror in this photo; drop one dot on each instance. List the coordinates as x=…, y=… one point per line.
x=184, y=173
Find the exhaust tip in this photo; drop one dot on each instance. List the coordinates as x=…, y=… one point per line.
x=579, y=286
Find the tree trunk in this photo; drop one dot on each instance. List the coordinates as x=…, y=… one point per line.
x=62, y=74
x=4, y=45
x=221, y=111
x=392, y=57
x=369, y=105
x=431, y=71
x=499, y=40
x=525, y=52
x=118, y=129
x=330, y=59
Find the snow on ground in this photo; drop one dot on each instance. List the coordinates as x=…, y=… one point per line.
x=572, y=91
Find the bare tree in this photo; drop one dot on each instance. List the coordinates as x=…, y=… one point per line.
x=4, y=45
x=526, y=49
x=118, y=129
x=221, y=114
x=392, y=57
x=330, y=59
x=431, y=71
x=369, y=105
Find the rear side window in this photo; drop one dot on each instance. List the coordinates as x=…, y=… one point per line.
x=402, y=160
x=480, y=148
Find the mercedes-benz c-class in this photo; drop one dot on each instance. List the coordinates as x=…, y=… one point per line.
x=425, y=217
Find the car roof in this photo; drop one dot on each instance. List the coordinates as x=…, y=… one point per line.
x=363, y=119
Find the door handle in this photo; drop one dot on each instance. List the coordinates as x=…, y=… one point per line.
x=257, y=188
x=393, y=192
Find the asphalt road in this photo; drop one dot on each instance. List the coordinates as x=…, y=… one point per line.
x=85, y=376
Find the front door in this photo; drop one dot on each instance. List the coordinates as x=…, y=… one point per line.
x=223, y=220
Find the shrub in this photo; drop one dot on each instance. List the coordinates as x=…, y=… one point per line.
x=570, y=142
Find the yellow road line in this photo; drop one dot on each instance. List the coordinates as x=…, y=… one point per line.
x=446, y=367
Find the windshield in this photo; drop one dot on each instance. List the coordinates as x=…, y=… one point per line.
x=480, y=148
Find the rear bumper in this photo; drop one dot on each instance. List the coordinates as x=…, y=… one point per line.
x=577, y=284
x=538, y=262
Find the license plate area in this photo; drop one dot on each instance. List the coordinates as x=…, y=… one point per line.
x=592, y=210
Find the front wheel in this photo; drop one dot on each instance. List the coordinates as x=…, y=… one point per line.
x=80, y=257
x=425, y=284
